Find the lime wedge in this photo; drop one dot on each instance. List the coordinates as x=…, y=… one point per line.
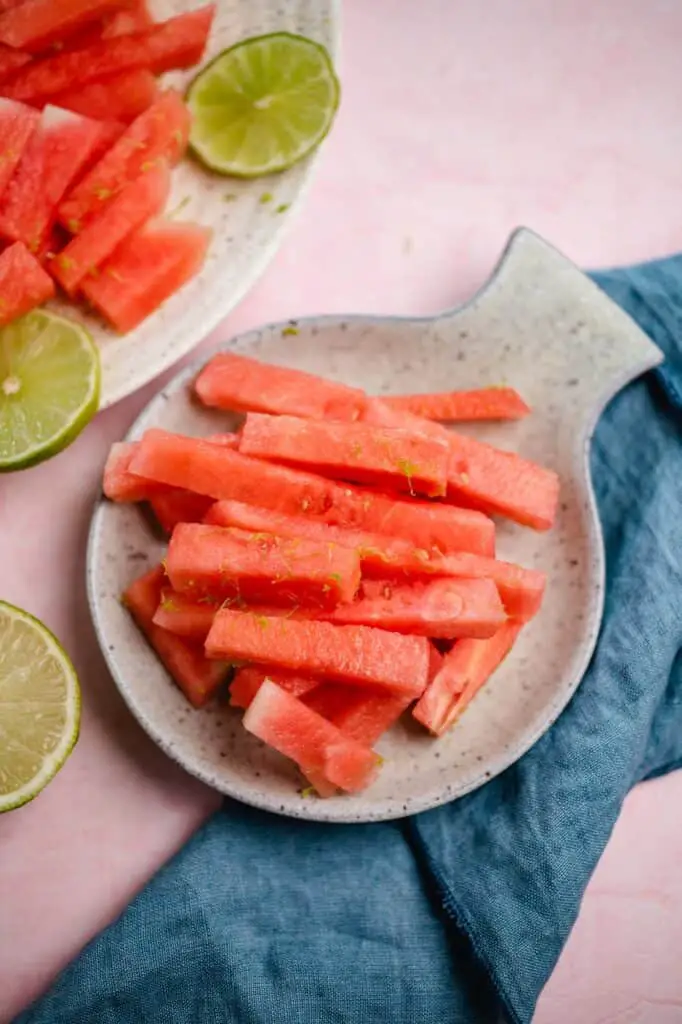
x=39, y=707
x=262, y=105
x=49, y=387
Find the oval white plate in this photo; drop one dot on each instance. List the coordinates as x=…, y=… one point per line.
x=247, y=231
x=540, y=325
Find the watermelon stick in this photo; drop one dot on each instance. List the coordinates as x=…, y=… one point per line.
x=33, y=23
x=365, y=715
x=139, y=200
x=240, y=384
x=445, y=609
x=316, y=745
x=393, y=558
x=248, y=680
x=464, y=671
x=197, y=677
x=24, y=285
x=235, y=564
x=176, y=43
x=495, y=403
x=391, y=458
x=356, y=655
x=495, y=481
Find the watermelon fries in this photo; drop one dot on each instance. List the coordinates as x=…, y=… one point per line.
x=88, y=141
x=333, y=560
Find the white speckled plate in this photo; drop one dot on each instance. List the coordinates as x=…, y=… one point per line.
x=542, y=326
x=247, y=232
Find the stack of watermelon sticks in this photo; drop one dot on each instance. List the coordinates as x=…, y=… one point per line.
x=87, y=142
x=337, y=554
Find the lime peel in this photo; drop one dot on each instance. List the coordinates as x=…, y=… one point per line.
x=40, y=706
x=49, y=387
x=262, y=105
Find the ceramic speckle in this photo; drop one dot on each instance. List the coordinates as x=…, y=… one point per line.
x=247, y=232
x=539, y=325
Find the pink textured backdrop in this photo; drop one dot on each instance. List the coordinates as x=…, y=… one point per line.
x=459, y=122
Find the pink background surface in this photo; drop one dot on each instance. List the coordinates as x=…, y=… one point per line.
x=455, y=127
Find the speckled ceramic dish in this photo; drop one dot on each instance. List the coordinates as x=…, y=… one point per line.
x=247, y=231
x=543, y=327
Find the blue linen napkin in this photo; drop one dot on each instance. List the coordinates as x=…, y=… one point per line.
x=456, y=916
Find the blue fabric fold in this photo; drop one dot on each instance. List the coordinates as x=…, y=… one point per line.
x=456, y=916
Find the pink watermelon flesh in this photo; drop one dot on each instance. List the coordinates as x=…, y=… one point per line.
x=135, y=17
x=161, y=131
x=176, y=43
x=121, y=97
x=146, y=270
x=35, y=22
x=11, y=60
x=140, y=200
x=317, y=746
x=23, y=283
x=17, y=125
x=122, y=23
x=109, y=133
x=55, y=154
x=362, y=714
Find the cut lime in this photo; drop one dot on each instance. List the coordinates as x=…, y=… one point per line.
x=262, y=105
x=49, y=387
x=39, y=707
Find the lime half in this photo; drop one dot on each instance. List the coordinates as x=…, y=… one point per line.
x=49, y=387
x=39, y=707
x=262, y=105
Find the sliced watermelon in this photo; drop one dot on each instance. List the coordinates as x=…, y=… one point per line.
x=36, y=22
x=237, y=564
x=134, y=17
x=23, y=283
x=385, y=457
x=199, y=466
x=316, y=745
x=147, y=269
x=481, y=476
x=177, y=43
x=464, y=671
x=119, y=484
x=17, y=125
x=363, y=715
x=7, y=5
x=240, y=384
x=121, y=97
x=248, y=680
x=185, y=616
x=445, y=609
x=380, y=554
x=162, y=131
x=175, y=506
x=495, y=403
x=196, y=676
x=431, y=526
x=122, y=23
x=110, y=133
x=59, y=148
x=129, y=210
x=11, y=60
x=356, y=655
